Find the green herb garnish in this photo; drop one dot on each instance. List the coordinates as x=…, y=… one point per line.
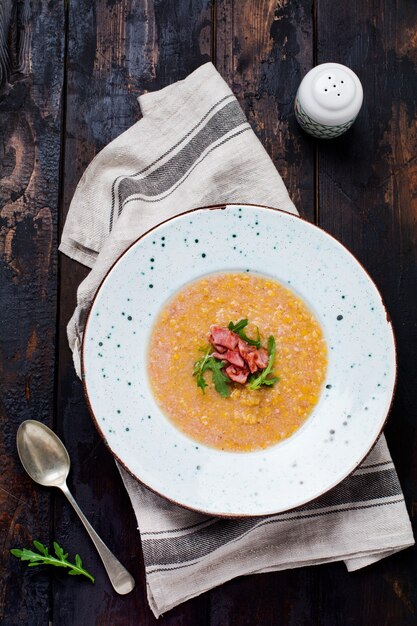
x=220, y=380
x=42, y=557
x=200, y=367
x=262, y=379
x=239, y=327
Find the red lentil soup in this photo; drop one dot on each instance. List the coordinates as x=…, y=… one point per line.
x=247, y=420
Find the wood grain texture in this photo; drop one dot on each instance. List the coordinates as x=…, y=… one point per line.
x=263, y=49
x=116, y=51
x=368, y=199
x=31, y=78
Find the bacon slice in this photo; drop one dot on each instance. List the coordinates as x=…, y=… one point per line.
x=237, y=374
x=250, y=359
x=232, y=356
x=262, y=357
x=244, y=347
x=256, y=359
x=222, y=337
x=235, y=358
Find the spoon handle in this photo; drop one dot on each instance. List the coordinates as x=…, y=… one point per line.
x=120, y=578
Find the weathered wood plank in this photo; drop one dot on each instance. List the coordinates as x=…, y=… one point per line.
x=116, y=51
x=368, y=200
x=263, y=51
x=31, y=77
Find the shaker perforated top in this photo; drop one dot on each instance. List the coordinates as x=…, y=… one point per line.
x=331, y=94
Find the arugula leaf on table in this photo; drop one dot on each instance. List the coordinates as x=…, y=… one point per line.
x=262, y=379
x=221, y=381
x=42, y=557
x=239, y=327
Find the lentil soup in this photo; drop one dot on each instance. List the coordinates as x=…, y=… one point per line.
x=248, y=419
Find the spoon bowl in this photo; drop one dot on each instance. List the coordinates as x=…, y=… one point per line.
x=42, y=454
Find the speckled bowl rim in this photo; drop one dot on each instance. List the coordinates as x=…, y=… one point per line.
x=222, y=207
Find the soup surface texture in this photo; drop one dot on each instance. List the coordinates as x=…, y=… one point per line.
x=248, y=419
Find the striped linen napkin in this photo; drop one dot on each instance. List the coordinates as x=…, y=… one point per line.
x=194, y=147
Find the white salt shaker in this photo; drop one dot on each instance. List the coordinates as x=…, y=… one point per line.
x=328, y=100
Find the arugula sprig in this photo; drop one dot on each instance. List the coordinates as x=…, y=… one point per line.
x=262, y=379
x=200, y=367
x=220, y=380
x=42, y=557
x=239, y=327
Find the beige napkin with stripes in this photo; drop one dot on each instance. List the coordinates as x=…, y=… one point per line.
x=194, y=147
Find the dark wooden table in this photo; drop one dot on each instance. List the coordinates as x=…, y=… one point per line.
x=70, y=73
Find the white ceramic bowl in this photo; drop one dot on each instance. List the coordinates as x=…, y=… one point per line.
x=361, y=373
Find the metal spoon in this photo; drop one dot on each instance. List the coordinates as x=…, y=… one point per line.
x=46, y=460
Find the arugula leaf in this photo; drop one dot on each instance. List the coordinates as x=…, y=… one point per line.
x=239, y=327
x=200, y=367
x=59, y=552
x=262, y=379
x=42, y=557
x=201, y=383
x=221, y=381
x=41, y=548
